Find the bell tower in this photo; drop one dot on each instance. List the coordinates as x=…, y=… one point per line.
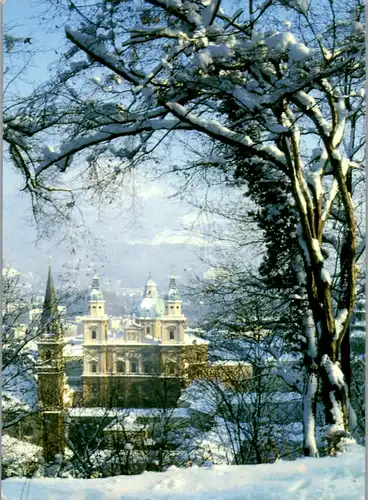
x=95, y=324
x=96, y=302
x=95, y=332
x=50, y=371
x=173, y=302
x=173, y=322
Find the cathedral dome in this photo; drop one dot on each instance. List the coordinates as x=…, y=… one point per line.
x=151, y=305
x=96, y=295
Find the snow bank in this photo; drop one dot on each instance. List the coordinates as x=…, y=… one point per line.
x=340, y=478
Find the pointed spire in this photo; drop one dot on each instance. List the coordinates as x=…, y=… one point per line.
x=50, y=309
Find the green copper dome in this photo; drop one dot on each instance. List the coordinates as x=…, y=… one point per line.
x=96, y=292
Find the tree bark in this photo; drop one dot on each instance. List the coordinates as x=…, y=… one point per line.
x=309, y=413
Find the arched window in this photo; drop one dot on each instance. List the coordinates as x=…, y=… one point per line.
x=172, y=334
x=120, y=366
x=93, y=366
x=94, y=334
x=48, y=355
x=134, y=366
x=170, y=367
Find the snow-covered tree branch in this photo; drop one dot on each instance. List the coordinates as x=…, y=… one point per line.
x=281, y=98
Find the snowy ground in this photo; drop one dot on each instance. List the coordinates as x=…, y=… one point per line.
x=337, y=478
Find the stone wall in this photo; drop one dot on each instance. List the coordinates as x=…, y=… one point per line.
x=127, y=391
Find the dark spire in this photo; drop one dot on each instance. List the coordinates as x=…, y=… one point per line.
x=50, y=312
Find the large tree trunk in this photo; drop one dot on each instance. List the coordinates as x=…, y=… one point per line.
x=336, y=401
x=344, y=265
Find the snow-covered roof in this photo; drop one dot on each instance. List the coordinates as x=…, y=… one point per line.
x=198, y=397
x=73, y=350
x=125, y=413
x=273, y=397
x=125, y=424
x=228, y=362
x=285, y=358
x=190, y=338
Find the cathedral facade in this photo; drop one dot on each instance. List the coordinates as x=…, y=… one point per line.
x=145, y=365
x=149, y=362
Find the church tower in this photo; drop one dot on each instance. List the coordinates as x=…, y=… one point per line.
x=173, y=321
x=95, y=324
x=50, y=371
x=95, y=339
x=96, y=302
x=95, y=333
x=173, y=302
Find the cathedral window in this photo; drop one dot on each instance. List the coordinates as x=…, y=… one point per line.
x=148, y=330
x=172, y=335
x=48, y=355
x=94, y=335
x=134, y=366
x=120, y=367
x=170, y=368
x=93, y=366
